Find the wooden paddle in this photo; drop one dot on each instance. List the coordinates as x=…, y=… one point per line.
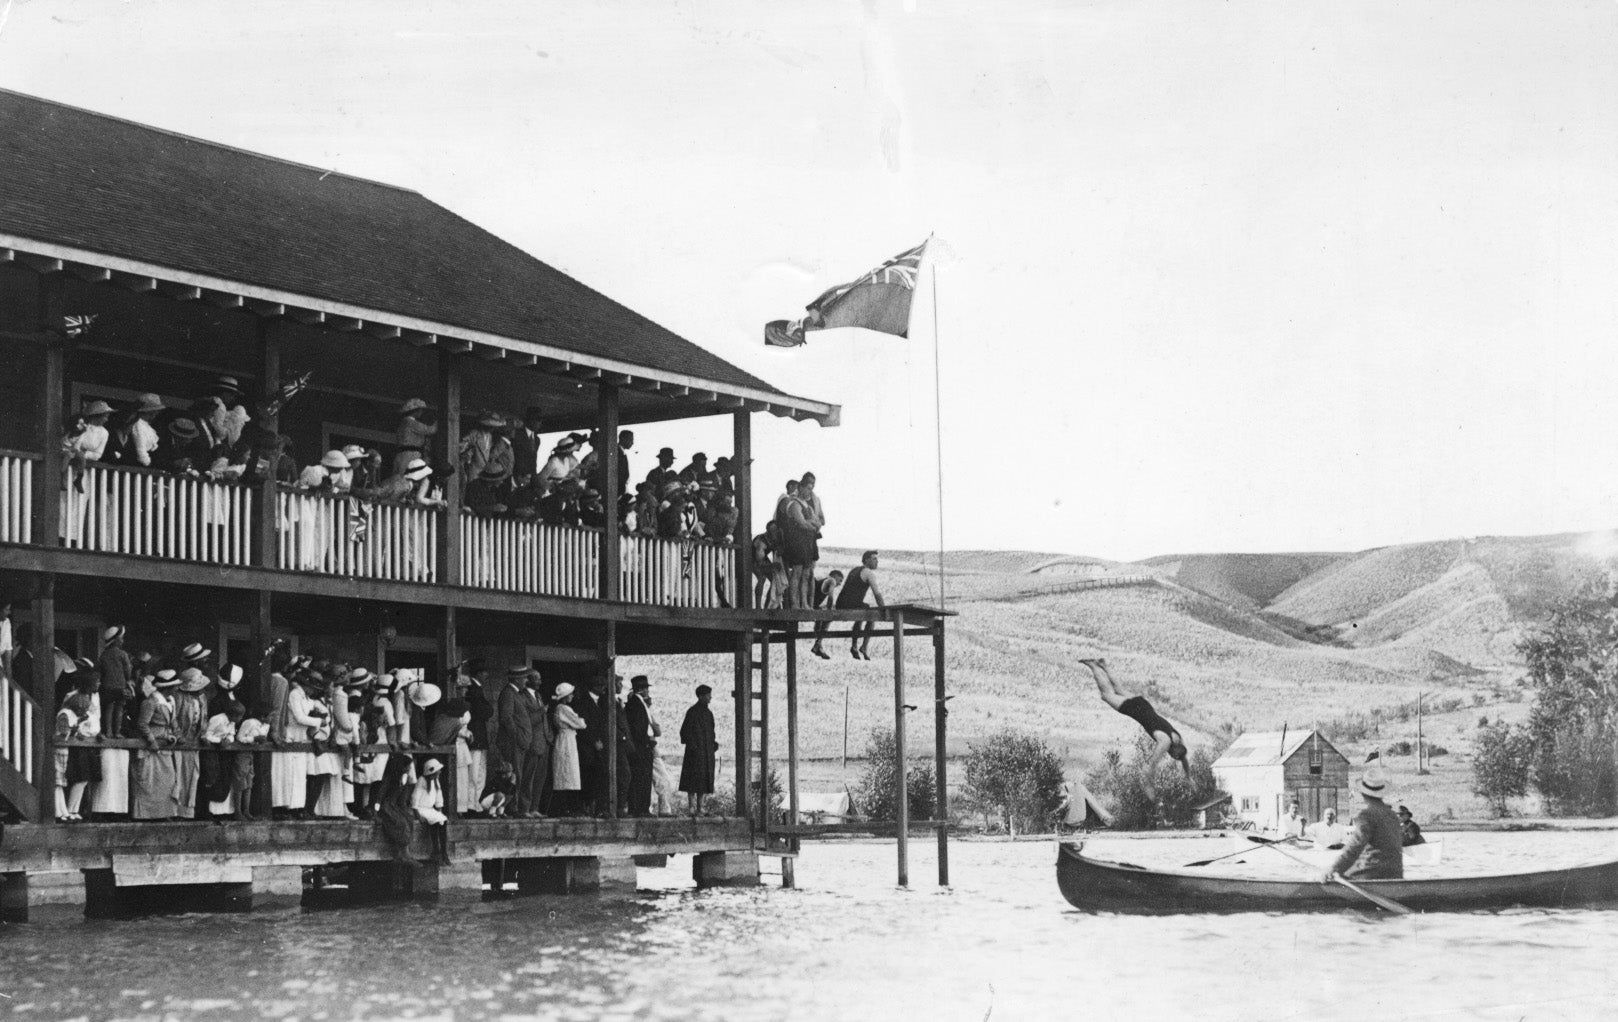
x=1239, y=851
x=1387, y=904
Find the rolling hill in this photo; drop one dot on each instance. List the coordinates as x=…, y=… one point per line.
x=1218, y=641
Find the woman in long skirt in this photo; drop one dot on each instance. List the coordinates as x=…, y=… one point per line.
x=565, y=780
x=190, y=720
x=697, y=735
x=153, y=785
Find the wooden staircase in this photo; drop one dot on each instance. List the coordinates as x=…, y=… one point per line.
x=20, y=721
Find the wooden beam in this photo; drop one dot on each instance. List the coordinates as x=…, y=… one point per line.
x=741, y=461
x=134, y=282
x=384, y=331
x=313, y=317
x=93, y=274
x=180, y=292
x=788, y=866
x=610, y=561
x=420, y=339
x=268, y=538
x=52, y=398
x=521, y=358
x=269, y=310
x=346, y=324
x=44, y=651
x=449, y=428
x=454, y=345
x=726, y=401
x=489, y=354
x=617, y=379
x=40, y=264
x=940, y=757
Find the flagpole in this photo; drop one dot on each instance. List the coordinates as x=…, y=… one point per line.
x=938, y=436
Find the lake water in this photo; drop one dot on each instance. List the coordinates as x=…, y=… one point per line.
x=1002, y=944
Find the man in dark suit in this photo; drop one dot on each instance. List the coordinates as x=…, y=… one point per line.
x=529, y=449
x=593, y=744
x=516, y=738
x=643, y=747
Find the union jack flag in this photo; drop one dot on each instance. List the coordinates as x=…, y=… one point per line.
x=879, y=300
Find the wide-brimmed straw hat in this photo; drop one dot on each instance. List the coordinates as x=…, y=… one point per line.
x=431, y=768
x=563, y=691
x=196, y=652
x=192, y=680
x=417, y=470
x=183, y=429
x=385, y=683
x=491, y=420
x=1375, y=784
x=353, y=452
x=112, y=632
x=230, y=676
x=149, y=403
x=335, y=460
x=96, y=408
x=415, y=404
x=228, y=384
x=426, y=694
x=166, y=678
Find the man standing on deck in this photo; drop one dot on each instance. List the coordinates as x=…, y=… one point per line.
x=1373, y=846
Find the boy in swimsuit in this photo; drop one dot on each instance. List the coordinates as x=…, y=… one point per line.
x=1136, y=708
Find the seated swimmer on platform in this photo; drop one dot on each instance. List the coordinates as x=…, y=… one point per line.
x=1136, y=708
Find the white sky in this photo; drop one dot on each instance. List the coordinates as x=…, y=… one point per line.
x=1223, y=276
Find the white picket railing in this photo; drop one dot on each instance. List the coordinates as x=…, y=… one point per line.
x=16, y=498
x=17, y=723
x=529, y=557
x=136, y=511
x=678, y=573
x=339, y=535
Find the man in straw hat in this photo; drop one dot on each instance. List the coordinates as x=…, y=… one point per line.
x=117, y=681
x=1372, y=847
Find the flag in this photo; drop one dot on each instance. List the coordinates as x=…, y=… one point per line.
x=878, y=301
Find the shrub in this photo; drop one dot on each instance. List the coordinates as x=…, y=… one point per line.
x=1399, y=748
x=1573, y=726
x=875, y=794
x=1500, y=765
x=1139, y=800
x=1015, y=778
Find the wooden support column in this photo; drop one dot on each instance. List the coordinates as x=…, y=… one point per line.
x=261, y=634
x=449, y=427
x=45, y=686
x=47, y=523
x=611, y=546
x=449, y=646
x=901, y=799
x=789, y=871
x=741, y=461
x=609, y=667
x=940, y=757
x=267, y=536
x=743, y=692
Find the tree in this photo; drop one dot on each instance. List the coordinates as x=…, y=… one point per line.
x=1501, y=758
x=1016, y=778
x=1573, y=726
x=1142, y=798
x=875, y=795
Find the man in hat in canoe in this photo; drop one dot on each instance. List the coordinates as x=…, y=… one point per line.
x=1372, y=849
x=1409, y=829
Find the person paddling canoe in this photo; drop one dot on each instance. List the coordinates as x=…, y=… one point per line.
x=1137, y=709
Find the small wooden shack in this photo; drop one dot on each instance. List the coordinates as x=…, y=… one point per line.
x=1264, y=770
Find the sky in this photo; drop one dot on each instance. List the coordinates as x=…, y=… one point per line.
x=1209, y=277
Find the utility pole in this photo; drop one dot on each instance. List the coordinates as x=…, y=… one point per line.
x=1421, y=757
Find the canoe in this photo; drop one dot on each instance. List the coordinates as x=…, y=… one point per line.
x=1101, y=886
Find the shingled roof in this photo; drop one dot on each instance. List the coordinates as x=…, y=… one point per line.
x=101, y=184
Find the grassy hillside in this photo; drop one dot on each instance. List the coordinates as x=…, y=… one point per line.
x=1216, y=640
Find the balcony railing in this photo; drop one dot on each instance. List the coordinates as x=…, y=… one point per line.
x=123, y=510
x=150, y=514
x=16, y=497
x=677, y=573
x=339, y=535
x=530, y=557
x=18, y=718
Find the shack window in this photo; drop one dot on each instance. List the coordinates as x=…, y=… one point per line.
x=1249, y=803
x=1317, y=756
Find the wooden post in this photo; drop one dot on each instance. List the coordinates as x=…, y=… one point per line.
x=763, y=672
x=744, y=718
x=45, y=685
x=260, y=633
x=902, y=801
x=741, y=461
x=788, y=865
x=449, y=644
x=267, y=534
x=1421, y=766
x=609, y=664
x=47, y=523
x=449, y=427
x=940, y=759
x=611, y=546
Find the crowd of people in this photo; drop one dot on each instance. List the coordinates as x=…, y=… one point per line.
x=329, y=740
x=507, y=467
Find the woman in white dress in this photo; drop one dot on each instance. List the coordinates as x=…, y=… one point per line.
x=565, y=781
x=298, y=720
x=83, y=445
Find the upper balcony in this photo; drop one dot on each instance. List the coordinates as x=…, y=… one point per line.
x=134, y=261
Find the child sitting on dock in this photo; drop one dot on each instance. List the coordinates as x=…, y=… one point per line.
x=498, y=792
x=251, y=731
x=1136, y=708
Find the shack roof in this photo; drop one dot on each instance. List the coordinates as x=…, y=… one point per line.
x=1265, y=748
x=81, y=184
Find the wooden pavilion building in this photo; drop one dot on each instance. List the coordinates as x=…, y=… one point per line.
x=135, y=260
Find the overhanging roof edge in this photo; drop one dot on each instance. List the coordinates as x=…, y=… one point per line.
x=825, y=413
